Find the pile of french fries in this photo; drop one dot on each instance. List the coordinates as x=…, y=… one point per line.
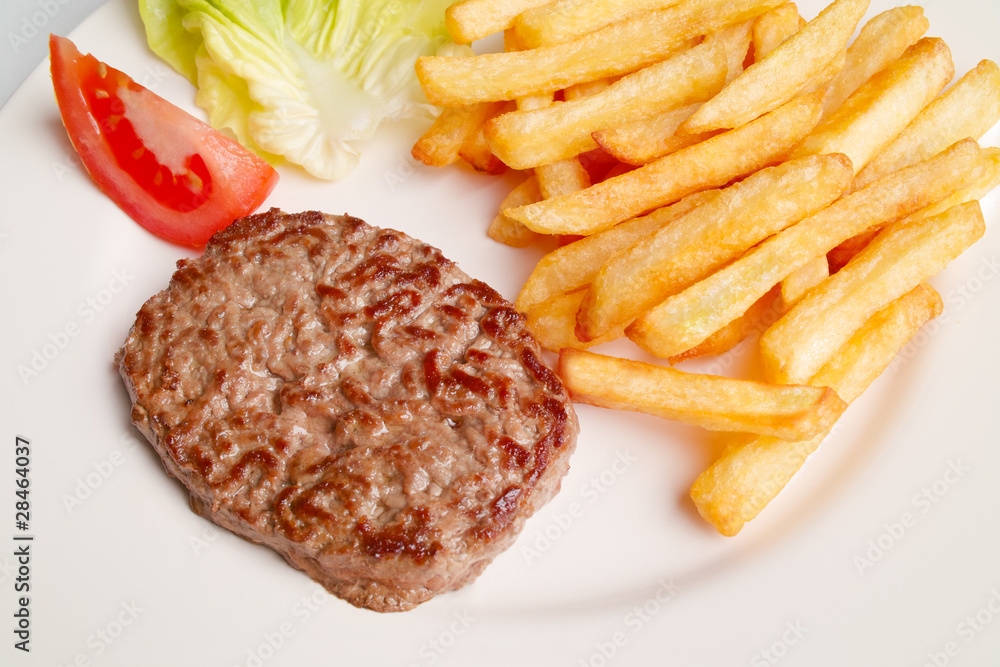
x=715, y=170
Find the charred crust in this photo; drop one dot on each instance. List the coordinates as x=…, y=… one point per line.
x=347, y=396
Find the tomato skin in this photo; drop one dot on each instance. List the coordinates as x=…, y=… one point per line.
x=170, y=172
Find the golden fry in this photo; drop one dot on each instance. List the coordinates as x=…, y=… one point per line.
x=712, y=402
x=641, y=141
x=440, y=145
x=553, y=323
x=511, y=232
x=562, y=177
x=736, y=487
x=469, y=20
x=578, y=90
x=566, y=19
x=799, y=282
x=879, y=110
x=709, y=237
x=764, y=312
x=882, y=41
x=773, y=29
x=530, y=138
x=897, y=260
x=617, y=49
x=736, y=39
x=575, y=265
x=710, y=164
x=686, y=319
x=785, y=73
x=985, y=176
x=477, y=154
x=967, y=109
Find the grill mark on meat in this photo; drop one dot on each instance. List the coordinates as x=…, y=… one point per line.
x=330, y=292
x=518, y=456
x=409, y=536
x=472, y=384
x=398, y=305
x=539, y=371
x=254, y=466
x=502, y=511
x=347, y=396
x=375, y=271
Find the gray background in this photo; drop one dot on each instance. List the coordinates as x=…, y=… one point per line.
x=25, y=26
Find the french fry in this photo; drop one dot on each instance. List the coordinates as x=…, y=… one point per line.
x=837, y=258
x=880, y=109
x=882, y=41
x=529, y=138
x=641, y=141
x=897, y=260
x=736, y=39
x=712, y=402
x=511, y=232
x=686, y=319
x=558, y=177
x=469, y=20
x=773, y=29
x=565, y=19
x=475, y=150
x=710, y=164
x=561, y=177
x=553, y=323
x=982, y=178
x=737, y=486
x=578, y=90
x=677, y=111
x=985, y=176
x=785, y=73
x=574, y=266
x=967, y=109
x=440, y=145
x=707, y=238
x=799, y=282
x=764, y=312
x=619, y=48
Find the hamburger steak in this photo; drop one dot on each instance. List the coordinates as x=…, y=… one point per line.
x=350, y=398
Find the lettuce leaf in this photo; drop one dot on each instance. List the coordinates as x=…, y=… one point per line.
x=300, y=80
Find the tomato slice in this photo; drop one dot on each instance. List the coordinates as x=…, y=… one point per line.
x=173, y=174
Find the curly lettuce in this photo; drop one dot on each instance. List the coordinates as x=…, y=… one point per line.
x=300, y=80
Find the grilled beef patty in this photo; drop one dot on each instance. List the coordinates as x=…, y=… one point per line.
x=350, y=398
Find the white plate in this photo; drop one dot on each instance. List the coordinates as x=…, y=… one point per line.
x=884, y=550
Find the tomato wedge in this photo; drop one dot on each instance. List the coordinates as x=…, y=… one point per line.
x=173, y=174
